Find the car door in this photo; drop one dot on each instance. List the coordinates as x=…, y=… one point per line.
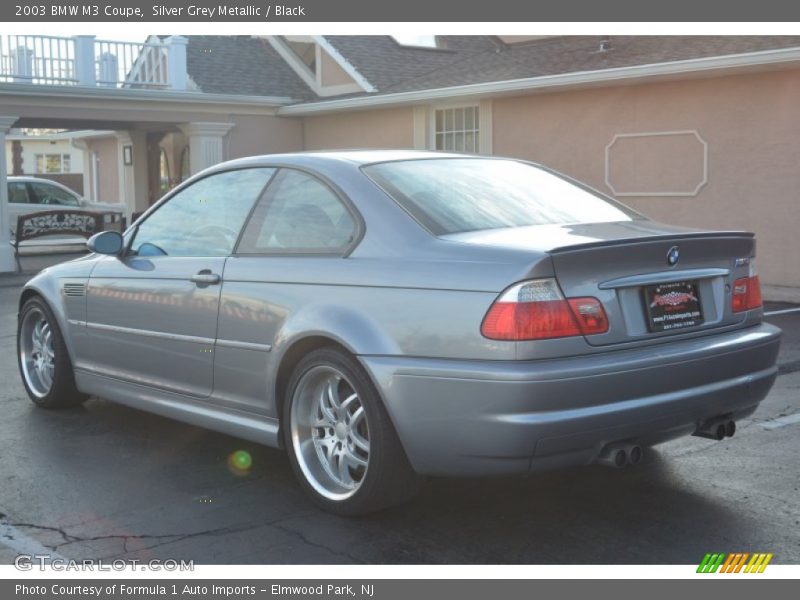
x=19, y=202
x=152, y=313
x=297, y=228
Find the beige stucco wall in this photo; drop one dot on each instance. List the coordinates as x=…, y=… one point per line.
x=750, y=123
x=255, y=134
x=384, y=128
x=331, y=73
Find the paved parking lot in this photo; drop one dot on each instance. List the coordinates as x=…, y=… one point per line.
x=107, y=481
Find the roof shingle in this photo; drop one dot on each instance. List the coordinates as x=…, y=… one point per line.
x=243, y=65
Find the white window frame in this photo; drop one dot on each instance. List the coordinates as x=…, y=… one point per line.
x=44, y=156
x=443, y=107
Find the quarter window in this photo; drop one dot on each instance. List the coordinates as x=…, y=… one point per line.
x=17, y=193
x=203, y=219
x=298, y=213
x=457, y=129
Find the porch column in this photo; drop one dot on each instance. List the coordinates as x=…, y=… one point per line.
x=89, y=193
x=206, y=143
x=132, y=169
x=7, y=263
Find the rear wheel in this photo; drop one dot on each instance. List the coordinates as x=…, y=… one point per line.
x=341, y=442
x=43, y=359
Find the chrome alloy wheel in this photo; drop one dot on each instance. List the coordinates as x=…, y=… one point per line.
x=37, y=355
x=329, y=431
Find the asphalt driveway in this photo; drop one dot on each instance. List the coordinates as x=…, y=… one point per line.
x=108, y=481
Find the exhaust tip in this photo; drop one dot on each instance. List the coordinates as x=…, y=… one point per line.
x=613, y=456
x=635, y=455
x=716, y=429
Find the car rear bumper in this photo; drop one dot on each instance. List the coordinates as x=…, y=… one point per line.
x=474, y=418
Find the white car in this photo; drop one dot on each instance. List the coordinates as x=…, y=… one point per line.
x=28, y=195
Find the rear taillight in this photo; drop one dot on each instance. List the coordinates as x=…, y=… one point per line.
x=536, y=310
x=746, y=294
x=746, y=290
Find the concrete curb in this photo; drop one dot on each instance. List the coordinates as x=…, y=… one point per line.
x=780, y=293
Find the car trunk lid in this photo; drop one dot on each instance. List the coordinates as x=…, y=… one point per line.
x=653, y=280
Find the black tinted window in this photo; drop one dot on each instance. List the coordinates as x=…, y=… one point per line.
x=455, y=195
x=44, y=193
x=203, y=219
x=298, y=213
x=17, y=193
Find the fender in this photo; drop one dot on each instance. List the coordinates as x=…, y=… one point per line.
x=356, y=332
x=48, y=286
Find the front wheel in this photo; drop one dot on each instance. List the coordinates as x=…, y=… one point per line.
x=43, y=359
x=342, y=445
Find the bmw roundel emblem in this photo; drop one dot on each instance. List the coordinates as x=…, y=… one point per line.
x=673, y=254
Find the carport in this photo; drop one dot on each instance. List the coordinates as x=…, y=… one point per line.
x=136, y=90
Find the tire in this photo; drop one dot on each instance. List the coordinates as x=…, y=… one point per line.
x=341, y=442
x=43, y=360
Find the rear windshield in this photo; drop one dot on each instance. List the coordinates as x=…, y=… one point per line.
x=453, y=195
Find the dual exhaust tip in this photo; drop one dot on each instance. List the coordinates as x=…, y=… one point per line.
x=620, y=455
x=716, y=429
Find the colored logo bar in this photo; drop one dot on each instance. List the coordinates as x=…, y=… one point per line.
x=735, y=562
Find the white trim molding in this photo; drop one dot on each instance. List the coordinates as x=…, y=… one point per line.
x=486, y=120
x=119, y=94
x=294, y=63
x=689, y=132
x=313, y=79
x=421, y=127
x=346, y=66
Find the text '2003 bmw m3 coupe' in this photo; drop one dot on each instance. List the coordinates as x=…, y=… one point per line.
x=386, y=315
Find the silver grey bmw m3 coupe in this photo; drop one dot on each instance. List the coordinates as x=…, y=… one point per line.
x=384, y=315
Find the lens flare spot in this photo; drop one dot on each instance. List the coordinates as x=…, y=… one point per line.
x=239, y=462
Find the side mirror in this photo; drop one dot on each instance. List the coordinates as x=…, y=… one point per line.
x=105, y=242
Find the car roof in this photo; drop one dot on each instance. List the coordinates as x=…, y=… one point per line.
x=353, y=157
x=37, y=180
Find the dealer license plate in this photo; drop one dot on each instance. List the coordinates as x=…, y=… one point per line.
x=674, y=305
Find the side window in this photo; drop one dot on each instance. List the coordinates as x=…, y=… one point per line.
x=52, y=195
x=300, y=214
x=203, y=219
x=17, y=193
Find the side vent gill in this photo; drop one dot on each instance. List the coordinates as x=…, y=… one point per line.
x=75, y=289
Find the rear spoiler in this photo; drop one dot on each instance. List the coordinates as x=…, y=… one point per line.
x=672, y=237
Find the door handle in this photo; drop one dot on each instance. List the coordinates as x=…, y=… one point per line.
x=205, y=277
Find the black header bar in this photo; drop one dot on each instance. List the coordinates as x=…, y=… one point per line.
x=143, y=11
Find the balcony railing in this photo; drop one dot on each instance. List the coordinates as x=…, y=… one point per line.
x=85, y=61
